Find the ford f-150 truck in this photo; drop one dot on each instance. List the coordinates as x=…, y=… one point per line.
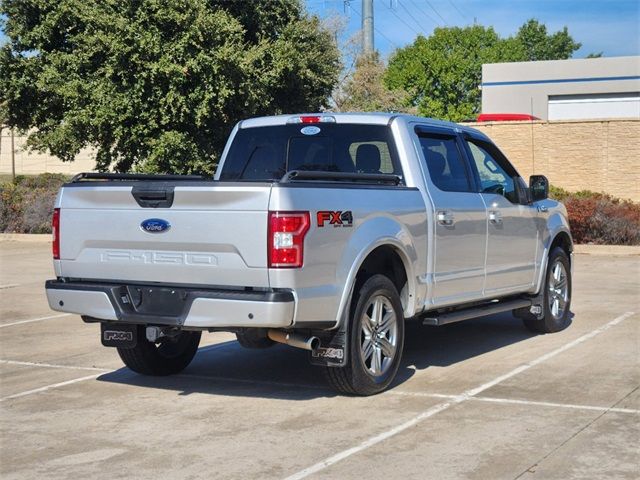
x=322, y=231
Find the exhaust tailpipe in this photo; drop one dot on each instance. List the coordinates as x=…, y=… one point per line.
x=294, y=339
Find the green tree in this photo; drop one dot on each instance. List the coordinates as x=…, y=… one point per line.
x=157, y=85
x=442, y=73
x=537, y=44
x=365, y=91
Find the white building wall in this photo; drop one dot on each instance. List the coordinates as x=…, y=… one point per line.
x=525, y=87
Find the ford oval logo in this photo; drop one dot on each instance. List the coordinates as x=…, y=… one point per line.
x=155, y=225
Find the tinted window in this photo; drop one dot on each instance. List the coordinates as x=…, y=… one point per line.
x=445, y=164
x=496, y=176
x=267, y=153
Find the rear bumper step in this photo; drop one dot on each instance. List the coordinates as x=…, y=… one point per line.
x=172, y=305
x=477, y=311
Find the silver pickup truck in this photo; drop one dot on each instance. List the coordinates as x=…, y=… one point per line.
x=322, y=231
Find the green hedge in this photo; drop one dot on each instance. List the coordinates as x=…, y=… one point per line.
x=27, y=203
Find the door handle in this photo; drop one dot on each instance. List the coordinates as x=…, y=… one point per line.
x=495, y=217
x=445, y=218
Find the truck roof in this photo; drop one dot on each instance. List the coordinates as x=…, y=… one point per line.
x=373, y=118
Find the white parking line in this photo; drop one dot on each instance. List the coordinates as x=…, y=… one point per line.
x=327, y=462
x=11, y=285
x=49, y=387
x=51, y=365
x=519, y=402
x=557, y=405
x=20, y=322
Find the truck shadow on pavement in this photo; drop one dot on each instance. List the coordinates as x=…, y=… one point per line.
x=283, y=372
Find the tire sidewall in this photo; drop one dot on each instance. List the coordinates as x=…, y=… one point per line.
x=362, y=380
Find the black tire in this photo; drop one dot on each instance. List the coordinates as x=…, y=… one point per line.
x=254, y=338
x=553, y=321
x=170, y=356
x=356, y=378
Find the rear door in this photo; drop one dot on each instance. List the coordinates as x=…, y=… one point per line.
x=459, y=215
x=513, y=237
x=213, y=233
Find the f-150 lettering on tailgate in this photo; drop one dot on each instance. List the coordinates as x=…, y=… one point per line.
x=160, y=258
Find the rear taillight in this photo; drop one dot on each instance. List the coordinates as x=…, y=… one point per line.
x=286, y=238
x=55, y=228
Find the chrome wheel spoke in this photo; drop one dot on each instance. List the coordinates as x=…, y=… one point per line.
x=378, y=306
x=376, y=361
x=387, y=321
x=387, y=348
x=367, y=326
x=367, y=349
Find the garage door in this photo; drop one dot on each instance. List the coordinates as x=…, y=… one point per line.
x=609, y=105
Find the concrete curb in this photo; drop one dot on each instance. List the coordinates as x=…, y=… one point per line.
x=25, y=237
x=617, y=250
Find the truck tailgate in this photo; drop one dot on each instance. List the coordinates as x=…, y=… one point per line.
x=216, y=236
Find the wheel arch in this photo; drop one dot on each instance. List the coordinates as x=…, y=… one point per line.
x=386, y=256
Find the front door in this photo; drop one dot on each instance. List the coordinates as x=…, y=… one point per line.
x=513, y=237
x=460, y=222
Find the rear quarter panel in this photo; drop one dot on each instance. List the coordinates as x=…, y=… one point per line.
x=333, y=253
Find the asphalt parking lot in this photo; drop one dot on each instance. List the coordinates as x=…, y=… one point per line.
x=483, y=399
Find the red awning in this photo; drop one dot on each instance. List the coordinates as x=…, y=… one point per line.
x=504, y=117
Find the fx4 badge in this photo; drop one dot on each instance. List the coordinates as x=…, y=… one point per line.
x=337, y=218
x=116, y=335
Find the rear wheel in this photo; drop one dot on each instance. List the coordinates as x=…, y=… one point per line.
x=557, y=295
x=170, y=355
x=376, y=339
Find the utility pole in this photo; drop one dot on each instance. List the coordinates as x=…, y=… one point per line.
x=367, y=27
x=13, y=156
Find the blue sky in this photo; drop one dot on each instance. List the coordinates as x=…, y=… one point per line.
x=608, y=26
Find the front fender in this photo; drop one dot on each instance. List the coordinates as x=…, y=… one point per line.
x=556, y=223
x=371, y=234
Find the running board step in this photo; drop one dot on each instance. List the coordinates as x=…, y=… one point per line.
x=474, y=312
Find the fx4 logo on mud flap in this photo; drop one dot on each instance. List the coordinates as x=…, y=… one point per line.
x=335, y=218
x=115, y=335
x=321, y=352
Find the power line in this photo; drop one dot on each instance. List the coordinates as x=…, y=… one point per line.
x=412, y=18
x=437, y=13
x=464, y=17
x=422, y=12
x=402, y=20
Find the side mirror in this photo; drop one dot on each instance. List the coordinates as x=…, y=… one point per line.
x=539, y=187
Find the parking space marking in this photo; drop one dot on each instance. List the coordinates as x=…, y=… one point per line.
x=49, y=387
x=51, y=365
x=39, y=319
x=370, y=442
x=521, y=402
x=11, y=285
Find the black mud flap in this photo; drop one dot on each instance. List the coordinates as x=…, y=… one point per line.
x=121, y=336
x=332, y=351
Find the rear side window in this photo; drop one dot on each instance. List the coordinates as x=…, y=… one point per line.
x=445, y=164
x=267, y=153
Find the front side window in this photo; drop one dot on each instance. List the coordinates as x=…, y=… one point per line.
x=445, y=163
x=495, y=176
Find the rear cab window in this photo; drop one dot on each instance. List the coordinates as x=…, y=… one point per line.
x=268, y=153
